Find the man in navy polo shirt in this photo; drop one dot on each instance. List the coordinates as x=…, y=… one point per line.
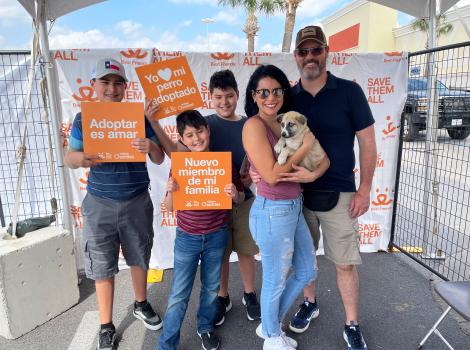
x=337, y=112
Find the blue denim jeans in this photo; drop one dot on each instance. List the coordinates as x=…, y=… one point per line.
x=189, y=249
x=282, y=235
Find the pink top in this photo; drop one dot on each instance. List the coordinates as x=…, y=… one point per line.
x=282, y=190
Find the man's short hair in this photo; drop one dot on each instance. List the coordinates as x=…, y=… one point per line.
x=310, y=33
x=223, y=80
x=190, y=118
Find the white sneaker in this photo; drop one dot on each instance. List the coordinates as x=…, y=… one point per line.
x=276, y=343
x=290, y=341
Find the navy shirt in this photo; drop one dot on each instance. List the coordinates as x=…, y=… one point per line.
x=117, y=181
x=335, y=114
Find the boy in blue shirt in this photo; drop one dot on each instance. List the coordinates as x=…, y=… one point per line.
x=117, y=211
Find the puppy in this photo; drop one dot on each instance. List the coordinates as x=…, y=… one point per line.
x=293, y=128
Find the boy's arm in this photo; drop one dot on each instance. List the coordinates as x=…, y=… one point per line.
x=168, y=146
x=171, y=187
x=78, y=159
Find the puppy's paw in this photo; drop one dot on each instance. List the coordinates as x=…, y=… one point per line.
x=279, y=146
x=282, y=159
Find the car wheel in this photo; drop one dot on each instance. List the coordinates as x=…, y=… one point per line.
x=410, y=130
x=459, y=133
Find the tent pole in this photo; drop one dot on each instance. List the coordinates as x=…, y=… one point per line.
x=56, y=111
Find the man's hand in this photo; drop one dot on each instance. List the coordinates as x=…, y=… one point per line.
x=151, y=107
x=360, y=203
x=300, y=174
x=143, y=145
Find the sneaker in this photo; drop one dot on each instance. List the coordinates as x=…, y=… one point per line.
x=223, y=305
x=253, y=309
x=150, y=318
x=292, y=342
x=276, y=343
x=106, y=339
x=353, y=336
x=209, y=340
x=301, y=320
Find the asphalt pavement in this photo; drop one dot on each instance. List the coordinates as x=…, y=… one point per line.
x=398, y=306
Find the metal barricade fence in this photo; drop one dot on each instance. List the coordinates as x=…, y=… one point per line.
x=37, y=188
x=431, y=213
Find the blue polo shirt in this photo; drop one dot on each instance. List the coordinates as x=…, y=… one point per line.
x=335, y=114
x=116, y=181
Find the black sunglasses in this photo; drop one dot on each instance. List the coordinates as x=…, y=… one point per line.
x=315, y=51
x=264, y=93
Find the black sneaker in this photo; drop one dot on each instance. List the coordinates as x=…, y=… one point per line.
x=209, y=340
x=106, y=339
x=301, y=320
x=353, y=336
x=223, y=305
x=253, y=308
x=150, y=318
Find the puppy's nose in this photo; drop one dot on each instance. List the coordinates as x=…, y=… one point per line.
x=284, y=134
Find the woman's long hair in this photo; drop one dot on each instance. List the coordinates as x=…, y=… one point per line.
x=267, y=71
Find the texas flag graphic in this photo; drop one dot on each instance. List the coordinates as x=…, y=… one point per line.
x=109, y=65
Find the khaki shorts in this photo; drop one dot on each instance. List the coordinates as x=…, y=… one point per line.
x=340, y=232
x=239, y=236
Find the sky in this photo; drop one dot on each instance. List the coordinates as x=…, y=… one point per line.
x=163, y=24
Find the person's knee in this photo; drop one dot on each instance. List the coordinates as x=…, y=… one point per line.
x=345, y=268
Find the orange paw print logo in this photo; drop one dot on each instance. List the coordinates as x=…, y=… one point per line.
x=390, y=127
x=222, y=56
x=381, y=199
x=85, y=93
x=130, y=53
x=84, y=180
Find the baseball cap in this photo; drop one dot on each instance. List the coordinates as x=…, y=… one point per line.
x=107, y=66
x=310, y=33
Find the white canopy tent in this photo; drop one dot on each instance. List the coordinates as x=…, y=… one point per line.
x=41, y=11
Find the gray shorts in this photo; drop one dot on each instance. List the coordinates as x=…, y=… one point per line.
x=109, y=225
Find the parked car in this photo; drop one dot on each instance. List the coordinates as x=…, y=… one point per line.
x=454, y=110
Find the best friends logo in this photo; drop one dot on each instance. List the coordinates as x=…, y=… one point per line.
x=382, y=200
x=222, y=59
x=171, y=84
x=133, y=57
x=390, y=129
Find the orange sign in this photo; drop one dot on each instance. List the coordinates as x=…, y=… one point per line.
x=171, y=83
x=201, y=177
x=109, y=128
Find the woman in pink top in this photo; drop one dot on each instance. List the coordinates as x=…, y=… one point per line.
x=276, y=220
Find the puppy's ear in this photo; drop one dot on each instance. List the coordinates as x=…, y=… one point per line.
x=279, y=118
x=301, y=119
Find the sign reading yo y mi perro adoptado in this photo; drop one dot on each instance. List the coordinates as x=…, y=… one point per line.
x=171, y=83
x=201, y=177
x=109, y=128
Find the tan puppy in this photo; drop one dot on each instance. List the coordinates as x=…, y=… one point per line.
x=293, y=128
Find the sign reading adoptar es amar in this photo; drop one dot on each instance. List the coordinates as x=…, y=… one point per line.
x=201, y=177
x=171, y=83
x=109, y=128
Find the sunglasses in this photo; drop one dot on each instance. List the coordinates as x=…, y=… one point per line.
x=315, y=51
x=264, y=93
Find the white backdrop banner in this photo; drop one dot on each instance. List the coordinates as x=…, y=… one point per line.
x=382, y=76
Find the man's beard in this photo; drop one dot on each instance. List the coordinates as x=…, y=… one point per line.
x=312, y=73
